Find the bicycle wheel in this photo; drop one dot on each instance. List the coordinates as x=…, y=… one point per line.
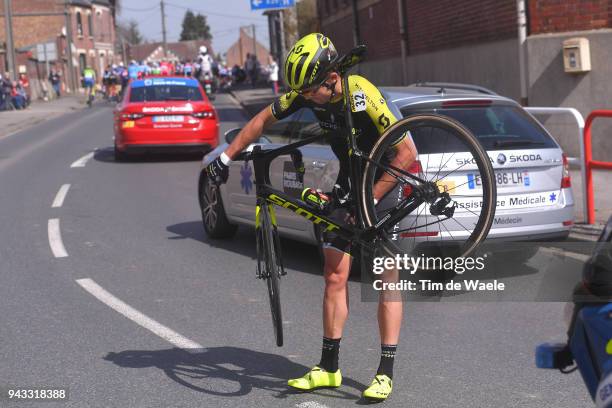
x=455, y=191
x=268, y=238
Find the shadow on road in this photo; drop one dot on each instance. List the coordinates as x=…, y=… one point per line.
x=296, y=255
x=107, y=155
x=227, y=371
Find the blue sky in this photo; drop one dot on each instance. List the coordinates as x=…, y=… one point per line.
x=223, y=16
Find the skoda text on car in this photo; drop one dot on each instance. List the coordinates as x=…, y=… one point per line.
x=534, y=195
x=165, y=114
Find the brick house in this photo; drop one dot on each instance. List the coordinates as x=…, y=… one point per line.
x=175, y=51
x=477, y=41
x=236, y=53
x=37, y=22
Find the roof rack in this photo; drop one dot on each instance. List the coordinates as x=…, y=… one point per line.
x=452, y=85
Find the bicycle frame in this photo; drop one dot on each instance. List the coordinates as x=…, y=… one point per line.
x=357, y=233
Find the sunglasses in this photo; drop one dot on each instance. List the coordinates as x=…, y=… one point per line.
x=311, y=90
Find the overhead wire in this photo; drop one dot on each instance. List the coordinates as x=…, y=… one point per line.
x=213, y=13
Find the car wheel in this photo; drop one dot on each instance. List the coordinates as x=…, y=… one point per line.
x=214, y=219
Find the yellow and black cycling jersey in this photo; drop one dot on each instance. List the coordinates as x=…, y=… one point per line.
x=370, y=111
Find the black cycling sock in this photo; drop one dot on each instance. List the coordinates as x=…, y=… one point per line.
x=387, y=357
x=329, y=355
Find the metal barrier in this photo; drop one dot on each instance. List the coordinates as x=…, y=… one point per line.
x=581, y=160
x=590, y=164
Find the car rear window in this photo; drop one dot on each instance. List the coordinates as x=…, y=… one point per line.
x=158, y=93
x=498, y=127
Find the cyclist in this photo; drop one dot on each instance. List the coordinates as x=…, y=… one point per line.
x=89, y=81
x=309, y=72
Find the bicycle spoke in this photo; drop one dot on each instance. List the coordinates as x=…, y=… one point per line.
x=463, y=226
x=446, y=175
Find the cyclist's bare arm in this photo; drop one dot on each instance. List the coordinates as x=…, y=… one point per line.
x=406, y=154
x=251, y=132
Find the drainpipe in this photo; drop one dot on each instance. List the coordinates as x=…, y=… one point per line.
x=403, y=34
x=522, y=49
x=356, y=34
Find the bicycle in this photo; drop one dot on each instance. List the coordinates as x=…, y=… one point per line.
x=375, y=228
x=91, y=95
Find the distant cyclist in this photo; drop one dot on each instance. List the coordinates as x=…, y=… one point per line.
x=309, y=72
x=89, y=83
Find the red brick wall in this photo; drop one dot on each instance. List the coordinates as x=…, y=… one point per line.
x=432, y=25
x=31, y=30
x=435, y=25
x=552, y=16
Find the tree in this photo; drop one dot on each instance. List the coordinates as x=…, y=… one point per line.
x=195, y=27
x=307, y=19
x=129, y=32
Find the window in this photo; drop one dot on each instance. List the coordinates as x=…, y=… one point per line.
x=280, y=132
x=82, y=62
x=156, y=93
x=497, y=127
x=79, y=22
x=90, y=24
x=307, y=125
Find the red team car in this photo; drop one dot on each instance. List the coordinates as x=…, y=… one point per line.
x=165, y=114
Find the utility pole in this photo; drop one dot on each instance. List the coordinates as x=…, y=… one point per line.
x=163, y=17
x=71, y=78
x=10, y=45
x=356, y=35
x=254, y=41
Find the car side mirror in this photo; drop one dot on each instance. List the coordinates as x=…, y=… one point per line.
x=231, y=134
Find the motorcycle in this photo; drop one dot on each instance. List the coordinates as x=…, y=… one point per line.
x=589, y=345
x=208, y=85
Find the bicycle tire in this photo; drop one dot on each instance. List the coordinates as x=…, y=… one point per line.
x=272, y=271
x=480, y=157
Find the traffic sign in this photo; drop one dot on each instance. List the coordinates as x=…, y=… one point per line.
x=271, y=4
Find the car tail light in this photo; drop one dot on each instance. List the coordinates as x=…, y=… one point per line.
x=204, y=115
x=566, y=180
x=415, y=168
x=568, y=223
x=407, y=190
x=131, y=116
x=417, y=234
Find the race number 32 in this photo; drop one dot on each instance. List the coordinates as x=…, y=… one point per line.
x=359, y=102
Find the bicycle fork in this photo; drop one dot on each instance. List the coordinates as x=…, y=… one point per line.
x=259, y=239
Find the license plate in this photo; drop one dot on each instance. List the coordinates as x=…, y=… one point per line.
x=502, y=178
x=175, y=118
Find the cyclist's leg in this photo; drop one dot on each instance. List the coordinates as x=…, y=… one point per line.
x=336, y=271
x=335, y=300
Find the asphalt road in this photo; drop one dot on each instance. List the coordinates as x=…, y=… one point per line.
x=136, y=307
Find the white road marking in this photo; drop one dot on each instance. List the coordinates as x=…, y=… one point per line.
x=60, y=196
x=310, y=404
x=55, y=239
x=126, y=310
x=569, y=254
x=83, y=160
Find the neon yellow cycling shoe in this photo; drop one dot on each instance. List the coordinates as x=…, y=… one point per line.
x=380, y=388
x=316, y=378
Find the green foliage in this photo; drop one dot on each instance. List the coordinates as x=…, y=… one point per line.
x=195, y=27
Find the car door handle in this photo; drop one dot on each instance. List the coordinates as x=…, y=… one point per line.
x=318, y=165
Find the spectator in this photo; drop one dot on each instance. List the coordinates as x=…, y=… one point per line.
x=248, y=66
x=6, y=92
x=273, y=75
x=18, y=96
x=25, y=83
x=55, y=79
